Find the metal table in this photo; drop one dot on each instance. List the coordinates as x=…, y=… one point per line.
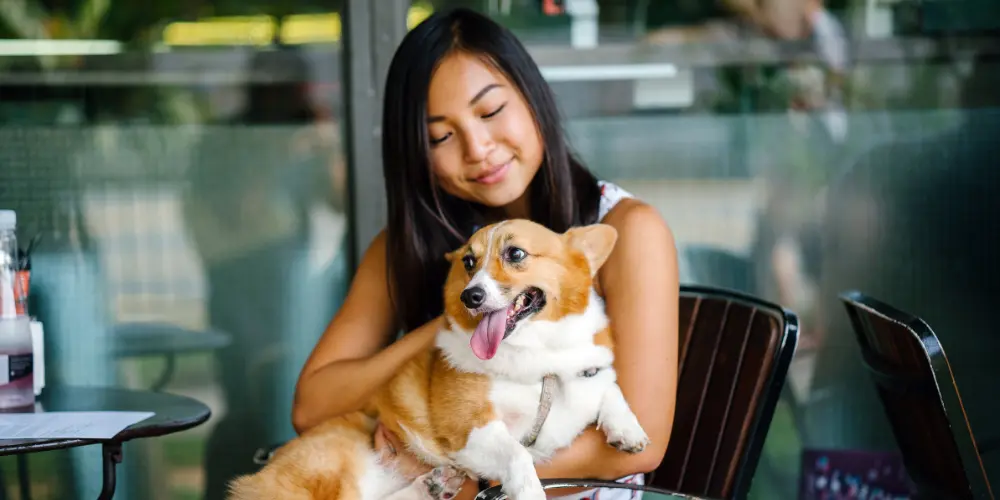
x=173, y=414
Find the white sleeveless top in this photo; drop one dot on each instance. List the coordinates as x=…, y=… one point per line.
x=611, y=194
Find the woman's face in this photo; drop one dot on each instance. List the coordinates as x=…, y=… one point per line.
x=485, y=145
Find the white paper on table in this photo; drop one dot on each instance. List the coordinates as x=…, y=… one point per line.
x=68, y=424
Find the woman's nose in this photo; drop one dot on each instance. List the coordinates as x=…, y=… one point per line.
x=478, y=144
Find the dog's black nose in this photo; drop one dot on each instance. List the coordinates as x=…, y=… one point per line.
x=473, y=297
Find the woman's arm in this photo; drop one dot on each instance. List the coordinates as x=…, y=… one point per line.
x=640, y=284
x=348, y=363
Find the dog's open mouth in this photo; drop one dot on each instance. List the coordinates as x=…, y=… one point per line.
x=496, y=325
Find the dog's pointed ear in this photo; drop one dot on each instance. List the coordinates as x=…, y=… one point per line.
x=595, y=242
x=452, y=255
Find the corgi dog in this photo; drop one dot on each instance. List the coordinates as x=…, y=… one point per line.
x=523, y=367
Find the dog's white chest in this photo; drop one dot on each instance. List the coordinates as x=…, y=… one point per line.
x=575, y=402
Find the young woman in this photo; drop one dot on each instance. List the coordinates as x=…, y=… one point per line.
x=472, y=135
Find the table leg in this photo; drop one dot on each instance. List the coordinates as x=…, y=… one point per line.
x=3, y=486
x=24, y=477
x=112, y=457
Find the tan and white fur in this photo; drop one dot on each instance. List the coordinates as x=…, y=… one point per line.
x=467, y=403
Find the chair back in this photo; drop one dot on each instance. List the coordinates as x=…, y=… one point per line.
x=735, y=350
x=918, y=392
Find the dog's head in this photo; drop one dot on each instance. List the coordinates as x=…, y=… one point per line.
x=514, y=272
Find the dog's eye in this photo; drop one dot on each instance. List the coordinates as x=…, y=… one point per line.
x=469, y=262
x=515, y=254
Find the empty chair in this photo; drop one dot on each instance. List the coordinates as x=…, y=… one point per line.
x=921, y=400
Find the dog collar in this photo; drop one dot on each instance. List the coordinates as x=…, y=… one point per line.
x=545, y=403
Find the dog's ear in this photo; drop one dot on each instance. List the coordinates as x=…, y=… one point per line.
x=452, y=255
x=595, y=242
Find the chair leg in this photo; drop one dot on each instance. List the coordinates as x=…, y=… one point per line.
x=166, y=375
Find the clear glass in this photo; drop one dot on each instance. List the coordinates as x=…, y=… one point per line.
x=17, y=380
x=183, y=167
x=8, y=273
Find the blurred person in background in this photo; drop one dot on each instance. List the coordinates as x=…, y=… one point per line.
x=911, y=224
x=797, y=157
x=254, y=184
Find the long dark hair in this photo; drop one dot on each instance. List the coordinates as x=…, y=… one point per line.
x=425, y=222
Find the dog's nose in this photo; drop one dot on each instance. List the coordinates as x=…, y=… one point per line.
x=473, y=297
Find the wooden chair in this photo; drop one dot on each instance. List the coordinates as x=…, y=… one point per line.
x=735, y=350
x=918, y=391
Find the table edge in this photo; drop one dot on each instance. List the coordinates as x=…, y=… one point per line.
x=127, y=434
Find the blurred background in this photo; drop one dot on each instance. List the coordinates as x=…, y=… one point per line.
x=211, y=168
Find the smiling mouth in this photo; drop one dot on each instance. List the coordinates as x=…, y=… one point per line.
x=494, y=174
x=497, y=325
x=527, y=303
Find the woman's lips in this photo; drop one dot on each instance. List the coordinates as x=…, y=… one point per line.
x=494, y=174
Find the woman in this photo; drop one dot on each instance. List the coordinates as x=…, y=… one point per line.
x=472, y=135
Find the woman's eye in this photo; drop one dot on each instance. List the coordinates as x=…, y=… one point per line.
x=469, y=262
x=494, y=113
x=515, y=254
x=435, y=141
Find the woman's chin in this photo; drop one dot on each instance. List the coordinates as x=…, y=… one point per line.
x=502, y=194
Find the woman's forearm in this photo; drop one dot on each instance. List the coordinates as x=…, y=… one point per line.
x=346, y=385
x=590, y=457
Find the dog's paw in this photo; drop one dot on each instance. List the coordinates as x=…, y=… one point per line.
x=442, y=483
x=628, y=438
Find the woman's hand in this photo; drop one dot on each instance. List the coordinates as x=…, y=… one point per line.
x=392, y=451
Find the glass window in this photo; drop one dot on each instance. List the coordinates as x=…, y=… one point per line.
x=182, y=167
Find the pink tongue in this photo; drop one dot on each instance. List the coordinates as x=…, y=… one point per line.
x=489, y=333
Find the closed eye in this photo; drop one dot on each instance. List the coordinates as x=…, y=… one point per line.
x=497, y=111
x=436, y=141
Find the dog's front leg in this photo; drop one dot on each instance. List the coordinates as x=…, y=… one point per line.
x=492, y=452
x=619, y=423
x=441, y=483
